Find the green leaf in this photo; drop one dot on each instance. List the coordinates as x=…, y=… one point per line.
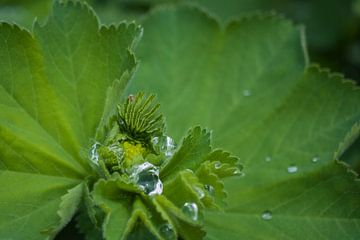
x=194, y=147
x=59, y=85
x=115, y=203
x=30, y=203
x=249, y=82
x=318, y=205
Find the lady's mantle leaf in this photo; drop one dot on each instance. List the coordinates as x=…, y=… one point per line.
x=55, y=88
x=250, y=83
x=194, y=148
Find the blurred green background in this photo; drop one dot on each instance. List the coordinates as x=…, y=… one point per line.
x=332, y=27
x=332, y=31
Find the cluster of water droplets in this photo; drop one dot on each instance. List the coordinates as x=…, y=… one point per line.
x=146, y=176
x=293, y=168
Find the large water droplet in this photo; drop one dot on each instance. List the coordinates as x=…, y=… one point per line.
x=94, y=155
x=266, y=215
x=315, y=159
x=191, y=210
x=167, y=232
x=268, y=158
x=168, y=146
x=292, y=169
x=247, y=93
x=146, y=176
x=199, y=192
x=210, y=189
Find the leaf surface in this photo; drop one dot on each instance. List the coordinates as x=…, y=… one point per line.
x=59, y=85
x=249, y=82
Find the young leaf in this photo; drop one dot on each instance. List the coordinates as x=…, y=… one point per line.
x=249, y=82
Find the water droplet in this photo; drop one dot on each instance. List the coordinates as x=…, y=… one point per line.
x=315, y=159
x=266, y=215
x=146, y=176
x=210, y=189
x=117, y=150
x=155, y=140
x=238, y=173
x=199, y=192
x=217, y=165
x=94, y=155
x=292, y=169
x=167, y=232
x=168, y=146
x=191, y=210
x=268, y=158
x=247, y=93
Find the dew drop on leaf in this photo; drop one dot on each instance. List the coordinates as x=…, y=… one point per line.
x=292, y=169
x=217, y=165
x=168, y=146
x=167, y=232
x=94, y=155
x=155, y=140
x=117, y=150
x=239, y=173
x=315, y=159
x=268, y=158
x=247, y=93
x=199, y=192
x=266, y=215
x=210, y=189
x=191, y=210
x=146, y=176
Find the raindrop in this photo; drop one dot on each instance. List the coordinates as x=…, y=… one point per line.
x=117, y=150
x=210, y=189
x=167, y=232
x=168, y=146
x=266, y=215
x=155, y=140
x=199, y=192
x=315, y=159
x=191, y=210
x=247, y=93
x=268, y=158
x=238, y=173
x=94, y=155
x=146, y=176
x=292, y=169
x=217, y=165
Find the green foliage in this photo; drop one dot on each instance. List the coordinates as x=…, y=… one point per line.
x=250, y=83
x=56, y=84
x=249, y=80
